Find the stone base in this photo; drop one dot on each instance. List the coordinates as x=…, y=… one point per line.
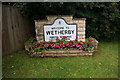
x=65, y=53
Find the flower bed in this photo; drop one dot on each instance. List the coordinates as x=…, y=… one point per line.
x=61, y=47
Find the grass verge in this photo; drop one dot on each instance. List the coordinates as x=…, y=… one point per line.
x=103, y=64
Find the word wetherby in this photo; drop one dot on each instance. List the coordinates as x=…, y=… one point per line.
x=62, y=32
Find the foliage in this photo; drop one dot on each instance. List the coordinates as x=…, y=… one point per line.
x=31, y=40
x=102, y=18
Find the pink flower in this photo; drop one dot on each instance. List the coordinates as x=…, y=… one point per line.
x=76, y=44
x=34, y=53
x=49, y=39
x=89, y=51
x=57, y=46
x=67, y=45
x=46, y=46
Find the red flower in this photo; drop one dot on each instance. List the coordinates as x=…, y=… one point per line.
x=90, y=36
x=39, y=43
x=56, y=37
x=44, y=42
x=35, y=46
x=80, y=42
x=63, y=37
x=50, y=42
x=61, y=42
x=71, y=41
x=76, y=37
x=57, y=46
x=90, y=39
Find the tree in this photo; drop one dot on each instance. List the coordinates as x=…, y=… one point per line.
x=102, y=18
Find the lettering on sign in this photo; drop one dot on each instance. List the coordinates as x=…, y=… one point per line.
x=59, y=28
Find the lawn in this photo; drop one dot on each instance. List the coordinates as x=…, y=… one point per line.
x=103, y=64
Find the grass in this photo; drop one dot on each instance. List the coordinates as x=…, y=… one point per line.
x=104, y=64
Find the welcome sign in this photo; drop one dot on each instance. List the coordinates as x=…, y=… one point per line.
x=58, y=29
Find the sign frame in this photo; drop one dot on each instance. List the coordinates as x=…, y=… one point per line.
x=54, y=22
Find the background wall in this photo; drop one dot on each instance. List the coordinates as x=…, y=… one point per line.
x=15, y=29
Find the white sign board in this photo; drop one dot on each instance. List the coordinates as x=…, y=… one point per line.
x=59, y=28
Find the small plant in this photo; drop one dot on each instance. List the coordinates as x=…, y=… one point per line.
x=31, y=40
x=90, y=44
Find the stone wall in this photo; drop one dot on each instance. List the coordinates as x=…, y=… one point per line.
x=68, y=18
